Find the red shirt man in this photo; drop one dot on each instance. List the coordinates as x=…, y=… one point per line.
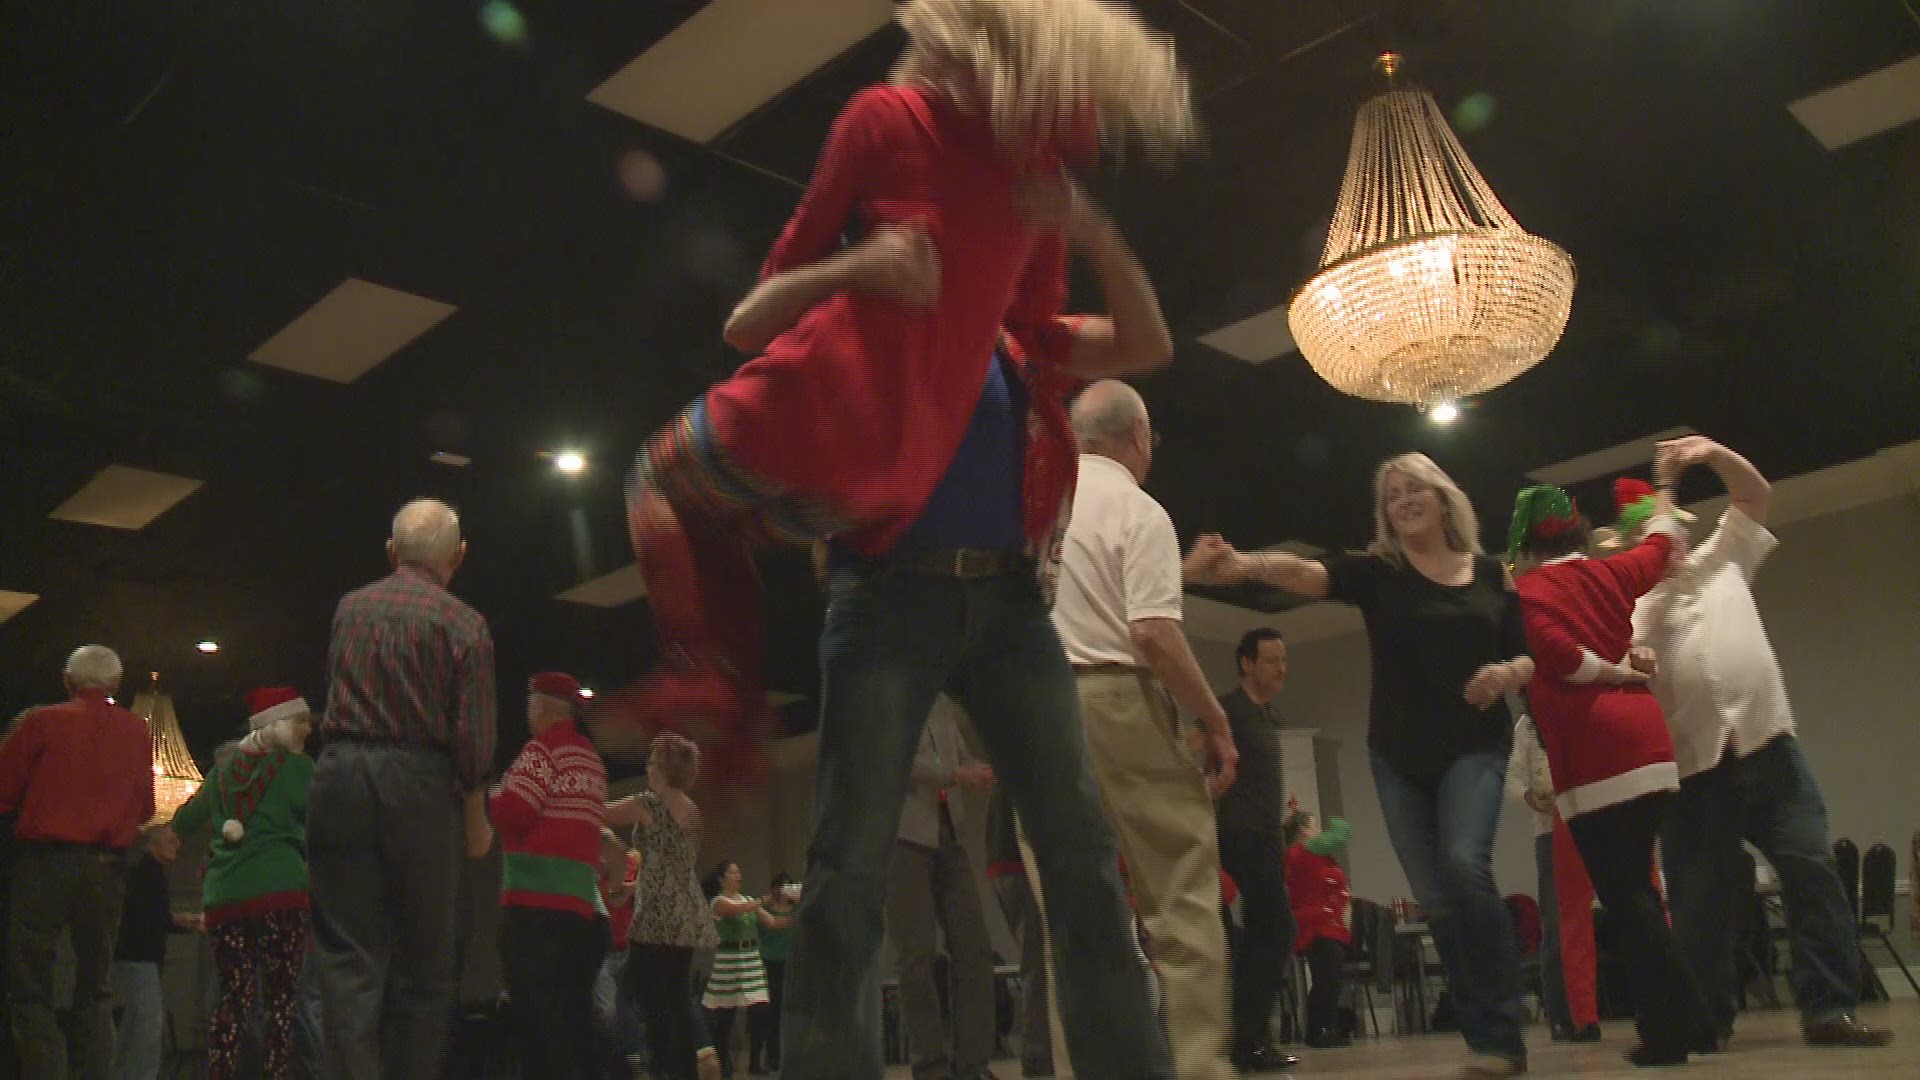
x=79, y=773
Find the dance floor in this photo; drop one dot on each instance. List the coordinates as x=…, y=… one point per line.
x=1767, y=1047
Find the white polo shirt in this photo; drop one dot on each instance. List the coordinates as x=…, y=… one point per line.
x=1120, y=561
x=1718, y=680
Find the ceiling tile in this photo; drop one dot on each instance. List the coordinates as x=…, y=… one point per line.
x=609, y=590
x=733, y=57
x=1865, y=107
x=1613, y=459
x=121, y=497
x=352, y=330
x=1256, y=339
x=13, y=603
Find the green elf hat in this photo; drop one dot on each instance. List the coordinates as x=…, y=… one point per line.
x=1635, y=501
x=1543, y=511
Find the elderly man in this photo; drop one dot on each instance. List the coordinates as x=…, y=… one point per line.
x=1743, y=775
x=932, y=883
x=81, y=776
x=1118, y=616
x=409, y=738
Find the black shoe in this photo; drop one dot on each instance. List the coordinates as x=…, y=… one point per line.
x=1265, y=1059
x=1648, y=1057
x=1845, y=1031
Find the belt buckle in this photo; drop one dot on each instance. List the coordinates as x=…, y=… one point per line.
x=971, y=563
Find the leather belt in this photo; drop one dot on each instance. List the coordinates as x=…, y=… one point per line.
x=963, y=564
x=1112, y=669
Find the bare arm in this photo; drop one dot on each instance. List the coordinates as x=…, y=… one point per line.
x=1305, y=578
x=898, y=263
x=725, y=908
x=1748, y=490
x=1133, y=336
x=629, y=811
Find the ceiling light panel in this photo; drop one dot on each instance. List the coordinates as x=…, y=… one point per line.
x=121, y=497
x=351, y=331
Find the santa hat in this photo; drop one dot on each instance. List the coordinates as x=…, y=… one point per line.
x=557, y=684
x=266, y=707
x=1540, y=512
x=270, y=704
x=1634, y=501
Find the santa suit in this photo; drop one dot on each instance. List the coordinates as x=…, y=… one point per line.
x=1612, y=762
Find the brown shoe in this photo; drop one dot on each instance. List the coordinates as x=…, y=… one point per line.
x=1845, y=1030
x=1490, y=1067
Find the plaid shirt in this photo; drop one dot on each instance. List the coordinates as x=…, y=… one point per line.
x=411, y=663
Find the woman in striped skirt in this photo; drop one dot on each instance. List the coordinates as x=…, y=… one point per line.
x=739, y=978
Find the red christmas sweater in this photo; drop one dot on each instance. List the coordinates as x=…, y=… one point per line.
x=901, y=383
x=548, y=810
x=1605, y=744
x=1322, y=901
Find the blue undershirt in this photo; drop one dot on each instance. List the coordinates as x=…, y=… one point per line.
x=977, y=502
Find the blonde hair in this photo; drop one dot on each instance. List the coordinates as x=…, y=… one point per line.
x=1461, y=524
x=1039, y=65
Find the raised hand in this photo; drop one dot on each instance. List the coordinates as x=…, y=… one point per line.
x=901, y=263
x=1674, y=457
x=1213, y=561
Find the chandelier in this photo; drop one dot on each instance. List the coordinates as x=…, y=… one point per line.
x=175, y=776
x=1428, y=290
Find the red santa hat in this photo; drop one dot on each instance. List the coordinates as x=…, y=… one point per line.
x=273, y=703
x=557, y=684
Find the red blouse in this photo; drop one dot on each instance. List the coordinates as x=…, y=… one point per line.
x=864, y=401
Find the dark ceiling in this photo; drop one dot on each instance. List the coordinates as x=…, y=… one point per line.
x=185, y=177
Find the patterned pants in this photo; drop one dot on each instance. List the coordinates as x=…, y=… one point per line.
x=257, y=957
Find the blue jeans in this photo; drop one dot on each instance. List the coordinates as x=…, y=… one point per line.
x=616, y=1018
x=892, y=641
x=1443, y=830
x=1771, y=799
x=1553, y=977
x=143, y=1021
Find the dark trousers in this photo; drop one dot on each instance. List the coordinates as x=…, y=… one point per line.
x=763, y=1021
x=384, y=840
x=1327, y=964
x=1022, y=912
x=76, y=891
x=1616, y=843
x=1771, y=799
x=929, y=886
x=661, y=979
x=549, y=960
x=1255, y=861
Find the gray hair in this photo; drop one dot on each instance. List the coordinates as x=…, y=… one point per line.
x=1106, y=411
x=426, y=532
x=94, y=666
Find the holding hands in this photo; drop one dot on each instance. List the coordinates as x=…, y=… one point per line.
x=1492, y=682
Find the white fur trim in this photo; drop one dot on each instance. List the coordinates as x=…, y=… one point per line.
x=1614, y=790
x=282, y=711
x=1591, y=668
x=1665, y=523
x=232, y=830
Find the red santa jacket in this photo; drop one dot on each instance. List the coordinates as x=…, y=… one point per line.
x=1605, y=744
x=1322, y=901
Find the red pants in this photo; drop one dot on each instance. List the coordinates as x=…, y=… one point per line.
x=1579, y=957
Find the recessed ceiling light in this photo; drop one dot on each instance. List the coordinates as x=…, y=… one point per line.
x=208, y=647
x=1444, y=413
x=587, y=692
x=569, y=462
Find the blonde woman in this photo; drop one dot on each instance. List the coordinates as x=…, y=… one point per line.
x=1448, y=643
x=954, y=170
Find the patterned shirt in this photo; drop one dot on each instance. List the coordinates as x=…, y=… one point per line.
x=549, y=809
x=669, y=908
x=411, y=663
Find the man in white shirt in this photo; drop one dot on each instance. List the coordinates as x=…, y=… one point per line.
x=1118, y=614
x=1743, y=774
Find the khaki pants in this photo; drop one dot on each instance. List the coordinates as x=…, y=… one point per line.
x=1157, y=801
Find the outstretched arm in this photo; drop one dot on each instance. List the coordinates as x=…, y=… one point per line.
x=1749, y=490
x=1214, y=561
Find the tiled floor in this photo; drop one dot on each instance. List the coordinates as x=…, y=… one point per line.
x=1766, y=1047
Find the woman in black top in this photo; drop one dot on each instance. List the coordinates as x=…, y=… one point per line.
x=1448, y=645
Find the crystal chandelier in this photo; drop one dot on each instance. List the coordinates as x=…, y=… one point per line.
x=175, y=776
x=1428, y=290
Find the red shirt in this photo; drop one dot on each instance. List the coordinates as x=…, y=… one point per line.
x=901, y=384
x=79, y=773
x=411, y=663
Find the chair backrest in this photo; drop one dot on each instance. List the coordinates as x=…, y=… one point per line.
x=1366, y=915
x=1876, y=884
x=1386, y=941
x=1846, y=859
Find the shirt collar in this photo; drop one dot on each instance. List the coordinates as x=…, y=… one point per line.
x=1571, y=556
x=417, y=573
x=91, y=693
x=1101, y=461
